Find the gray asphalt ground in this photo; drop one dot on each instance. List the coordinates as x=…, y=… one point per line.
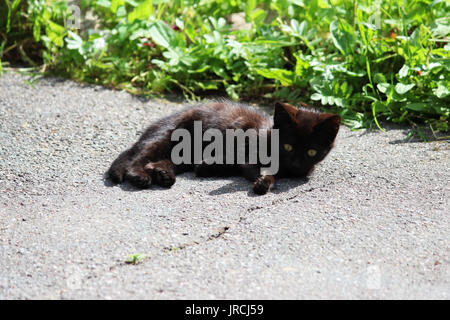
x=372, y=223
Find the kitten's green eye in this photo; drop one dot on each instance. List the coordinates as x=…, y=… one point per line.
x=288, y=147
x=311, y=152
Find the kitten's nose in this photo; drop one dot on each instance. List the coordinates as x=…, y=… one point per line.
x=297, y=166
x=298, y=170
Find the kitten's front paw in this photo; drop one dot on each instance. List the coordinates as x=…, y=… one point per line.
x=163, y=178
x=142, y=181
x=115, y=176
x=262, y=185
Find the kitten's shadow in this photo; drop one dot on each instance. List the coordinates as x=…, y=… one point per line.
x=241, y=184
x=236, y=184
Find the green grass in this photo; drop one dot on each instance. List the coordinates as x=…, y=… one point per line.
x=365, y=60
x=135, y=258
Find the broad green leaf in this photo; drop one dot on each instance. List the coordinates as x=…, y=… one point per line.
x=284, y=76
x=299, y=29
x=316, y=96
x=383, y=87
x=249, y=7
x=46, y=15
x=104, y=3
x=258, y=17
x=441, y=91
x=441, y=30
x=299, y=3
x=115, y=4
x=323, y=4
x=74, y=41
x=60, y=30
x=162, y=34
x=221, y=23
x=179, y=23
x=417, y=106
x=55, y=33
x=190, y=31
x=403, y=71
x=378, y=106
x=343, y=36
x=402, y=88
x=172, y=56
x=121, y=12
x=379, y=78
x=142, y=11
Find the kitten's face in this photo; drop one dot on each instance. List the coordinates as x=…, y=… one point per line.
x=306, y=137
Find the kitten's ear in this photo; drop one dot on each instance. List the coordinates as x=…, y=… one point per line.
x=284, y=114
x=327, y=127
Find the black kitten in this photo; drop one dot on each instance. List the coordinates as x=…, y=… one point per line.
x=305, y=138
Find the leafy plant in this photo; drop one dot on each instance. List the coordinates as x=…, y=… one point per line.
x=135, y=258
x=366, y=61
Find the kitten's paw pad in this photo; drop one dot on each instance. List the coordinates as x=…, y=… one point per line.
x=261, y=185
x=139, y=181
x=163, y=178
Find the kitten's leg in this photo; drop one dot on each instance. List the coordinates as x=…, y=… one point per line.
x=137, y=176
x=118, y=169
x=137, y=173
x=262, y=182
x=162, y=172
x=204, y=170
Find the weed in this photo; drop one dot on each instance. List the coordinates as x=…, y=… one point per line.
x=367, y=61
x=136, y=258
